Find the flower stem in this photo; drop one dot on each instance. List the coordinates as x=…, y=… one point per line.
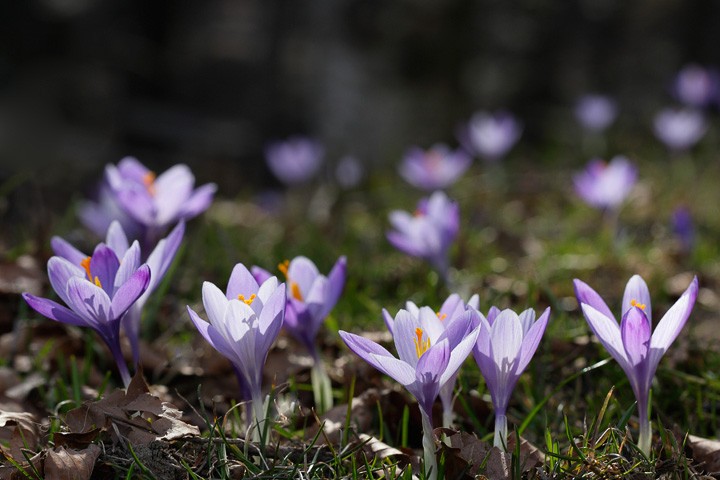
x=428, y=447
x=114, y=345
x=322, y=388
x=256, y=417
x=645, y=435
x=500, y=440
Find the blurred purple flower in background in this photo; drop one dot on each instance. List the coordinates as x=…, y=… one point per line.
x=243, y=324
x=158, y=261
x=696, y=86
x=490, y=135
x=435, y=168
x=679, y=129
x=429, y=232
x=596, y=112
x=349, y=172
x=504, y=348
x=683, y=228
x=99, y=289
x=434, y=323
x=295, y=160
x=633, y=344
x=426, y=362
x=606, y=185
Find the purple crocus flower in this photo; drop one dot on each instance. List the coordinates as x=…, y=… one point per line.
x=633, y=344
x=683, y=228
x=424, y=365
x=159, y=261
x=243, y=324
x=433, y=169
x=604, y=185
x=505, y=345
x=435, y=323
x=429, y=232
x=696, y=86
x=595, y=112
x=491, y=135
x=99, y=290
x=349, y=172
x=679, y=129
x=296, y=160
x=98, y=214
x=156, y=203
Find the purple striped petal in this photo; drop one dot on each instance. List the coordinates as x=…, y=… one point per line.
x=116, y=239
x=532, y=340
x=636, y=290
x=636, y=331
x=241, y=283
x=130, y=291
x=104, y=265
x=588, y=296
x=53, y=310
x=64, y=249
x=672, y=322
x=90, y=302
x=199, y=201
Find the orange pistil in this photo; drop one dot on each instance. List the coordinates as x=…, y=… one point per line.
x=85, y=263
x=295, y=291
x=247, y=301
x=283, y=267
x=441, y=316
x=635, y=303
x=420, y=346
x=149, y=181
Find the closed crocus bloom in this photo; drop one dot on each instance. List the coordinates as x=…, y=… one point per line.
x=491, y=135
x=157, y=202
x=99, y=289
x=435, y=168
x=242, y=325
x=606, y=185
x=435, y=323
x=595, y=112
x=632, y=343
x=679, y=129
x=295, y=160
x=429, y=232
x=504, y=348
x=423, y=365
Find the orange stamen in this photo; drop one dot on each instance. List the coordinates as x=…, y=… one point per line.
x=295, y=291
x=441, y=316
x=283, y=267
x=97, y=282
x=635, y=303
x=247, y=301
x=420, y=346
x=149, y=182
x=85, y=263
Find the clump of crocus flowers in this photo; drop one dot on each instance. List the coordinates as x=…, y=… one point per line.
x=435, y=168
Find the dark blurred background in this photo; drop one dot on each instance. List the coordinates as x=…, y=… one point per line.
x=208, y=83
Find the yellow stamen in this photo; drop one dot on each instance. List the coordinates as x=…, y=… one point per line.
x=283, y=267
x=295, y=290
x=149, y=182
x=97, y=282
x=420, y=346
x=441, y=316
x=247, y=301
x=85, y=263
x=635, y=303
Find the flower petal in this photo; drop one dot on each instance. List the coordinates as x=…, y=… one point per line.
x=104, y=265
x=636, y=331
x=64, y=249
x=130, y=291
x=60, y=271
x=336, y=281
x=672, y=322
x=506, y=340
x=637, y=290
x=303, y=272
x=199, y=201
x=241, y=283
x=585, y=294
x=90, y=302
x=388, y=320
x=607, y=330
x=271, y=318
x=379, y=358
x=405, y=337
x=54, y=310
x=462, y=349
x=532, y=339
x=116, y=239
x=215, y=302
x=260, y=274
x=128, y=265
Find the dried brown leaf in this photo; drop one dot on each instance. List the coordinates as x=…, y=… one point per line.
x=69, y=464
x=20, y=430
x=705, y=451
x=12, y=473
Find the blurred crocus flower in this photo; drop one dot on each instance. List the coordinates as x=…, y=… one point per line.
x=606, y=185
x=159, y=261
x=504, y=348
x=154, y=202
x=633, y=344
x=243, y=324
x=435, y=168
x=435, y=323
x=596, y=112
x=295, y=160
x=491, y=135
x=696, y=86
x=427, y=360
x=428, y=232
x=679, y=129
x=99, y=289
x=97, y=214
x=349, y=172
x=683, y=228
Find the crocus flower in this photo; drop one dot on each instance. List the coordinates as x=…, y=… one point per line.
x=429, y=232
x=433, y=169
x=349, y=172
x=99, y=290
x=633, y=344
x=159, y=261
x=296, y=160
x=452, y=309
x=680, y=129
x=159, y=202
x=99, y=213
x=424, y=365
x=595, y=112
x=505, y=345
x=490, y=135
x=696, y=86
x=243, y=324
x=683, y=228
x=604, y=185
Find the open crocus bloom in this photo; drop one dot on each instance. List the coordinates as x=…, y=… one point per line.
x=435, y=323
x=159, y=262
x=243, y=324
x=680, y=129
x=505, y=345
x=424, y=365
x=295, y=160
x=438, y=167
x=606, y=185
x=491, y=135
x=99, y=289
x=157, y=202
x=429, y=232
x=632, y=343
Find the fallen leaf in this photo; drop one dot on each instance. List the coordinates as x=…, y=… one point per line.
x=20, y=430
x=69, y=464
x=705, y=451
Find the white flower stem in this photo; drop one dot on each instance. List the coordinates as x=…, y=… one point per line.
x=428, y=447
x=645, y=435
x=120, y=362
x=256, y=417
x=322, y=387
x=501, y=430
